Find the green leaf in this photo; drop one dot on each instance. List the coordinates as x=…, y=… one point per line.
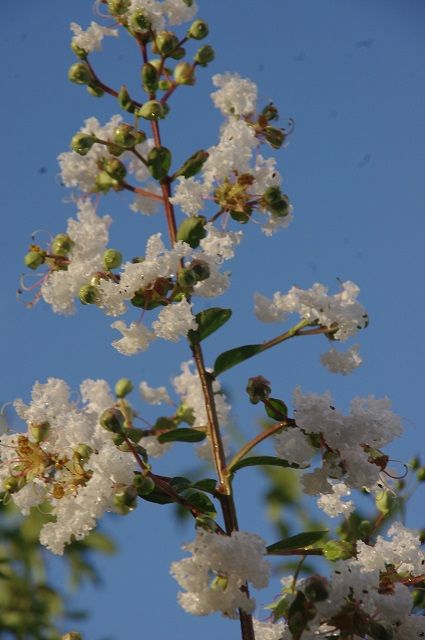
x=183, y=434
x=201, y=501
x=276, y=409
x=229, y=359
x=299, y=541
x=258, y=461
x=208, y=484
x=100, y=542
x=208, y=321
x=335, y=550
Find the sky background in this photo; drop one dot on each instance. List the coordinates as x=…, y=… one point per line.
x=351, y=76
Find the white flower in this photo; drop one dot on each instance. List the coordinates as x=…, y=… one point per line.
x=269, y=630
x=236, y=96
x=294, y=446
x=333, y=505
x=212, y=577
x=189, y=195
x=136, y=337
x=174, y=321
x=219, y=244
x=342, y=361
x=403, y=551
x=151, y=395
x=91, y=39
x=189, y=388
x=154, y=449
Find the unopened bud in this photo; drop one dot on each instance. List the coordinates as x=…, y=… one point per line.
x=118, y=7
x=34, y=259
x=166, y=42
x=111, y=259
x=200, y=269
x=83, y=452
x=420, y=474
x=114, y=168
x=159, y=162
x=139, y=22
x=125, y=100
x=80, y=73
x=124, y=136
x=198, y=30
x=188, y=3
x=72, y=635
x=184, y=73
x=272, y=195
x=61, y=244
x=192, y=230
x=104, y=182
x=79, y=51
x=95, y=90
x=88, y=294
x=316, y=589
x=125, y=501
x=164, y=85
x=178, y=53
x=39, y=432
x=204, y=55
x=112, y=420
x=150, y=78
x=123, y=387
x=365, y=528
x=151, y=110
x=143, y=484
x=186, y=278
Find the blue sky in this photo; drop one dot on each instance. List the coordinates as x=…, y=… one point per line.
x=351, y=75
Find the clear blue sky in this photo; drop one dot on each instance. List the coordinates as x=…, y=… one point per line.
x=351, y=75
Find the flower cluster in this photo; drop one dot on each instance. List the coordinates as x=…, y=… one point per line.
x=217, y=569
x=349, y=446
x=66, y=459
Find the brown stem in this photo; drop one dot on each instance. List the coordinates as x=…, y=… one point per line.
x=142, y=192
x=105, y=87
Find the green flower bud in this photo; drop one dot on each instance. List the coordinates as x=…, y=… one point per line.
x=198, y=30
x=39, y=432
x=281, y=209
x=365, y=529
x=316, y=589
x=184, y=73
x=274, y=136
x=150, y=78
x=118, y=7
x=112, y=420
x=143, y=484
x=104, y=182
x=81, y=143
x=114, y=168
x=164, y=85
x=124, y=136
x=185, y=414
x=125, y=100
x=12, y=484
x=95, y=90
x=80, y=73
x=79, y=51
x=88, y=294
x=151, y=110
x=165, y=42
x=415, y=463
x=123, y=387
x=61, y=244
x=188, y=3
x=186, y=278
x=272, y=196
x=34, y=259
x=111, y=259
x=204, y=55
x=138, y=22
x=178, y=53
x=83, y=452
x=193, y=165
x=200, y=269
x=420, y=474
x=125, y=501
x=192, y=230
x=72, y=635
x=159, y=161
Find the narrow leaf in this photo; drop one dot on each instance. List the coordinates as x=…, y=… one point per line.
x=208, y=484
x=258, y=461
x=208, y=321
x=299, y=541
x=229, y=359
x=182, y=435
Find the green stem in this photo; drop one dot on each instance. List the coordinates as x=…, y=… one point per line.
x=253, y=443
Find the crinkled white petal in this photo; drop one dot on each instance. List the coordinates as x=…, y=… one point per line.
x=91, y=39
x=151, y=395
x=136, y=337
x=342, y=361
x=174, y=321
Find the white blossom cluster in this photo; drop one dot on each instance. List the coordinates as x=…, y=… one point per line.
x=217, y=569
x=80, y=172
x=89, y=235
x=235, y=155
x=75, y=467
x=90, y=39
x=161, y=13
x=347, y=441
x=340, y=312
